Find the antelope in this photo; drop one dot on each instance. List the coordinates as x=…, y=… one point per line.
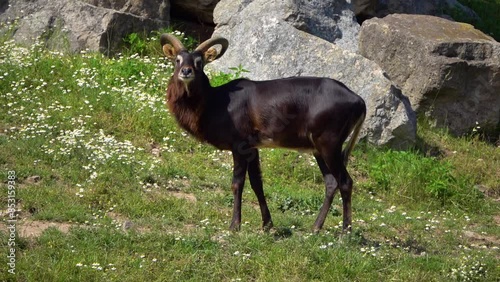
x=302, y=113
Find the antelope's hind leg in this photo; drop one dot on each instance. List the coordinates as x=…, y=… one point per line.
x=336, y=178
x=331, y=185
x=331, y=163
x=346, y=194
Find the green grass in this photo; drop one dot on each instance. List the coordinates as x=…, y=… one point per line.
x=488, y=11
x=147, y=202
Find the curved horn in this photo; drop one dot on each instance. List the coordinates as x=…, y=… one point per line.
x=169, y=38
x=203, y=47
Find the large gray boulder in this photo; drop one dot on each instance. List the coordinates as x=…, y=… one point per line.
x=449, y=70
x=76, y=25
x=269, y=46
x=332, y=20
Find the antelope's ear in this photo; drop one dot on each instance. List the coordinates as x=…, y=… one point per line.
x=210, y=55
x=169, y=51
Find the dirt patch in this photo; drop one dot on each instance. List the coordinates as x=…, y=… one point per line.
x=35, y=228
x=33, y=179
x=176, y=184
x=497, y=219
x=476, y=238
x=186, y=196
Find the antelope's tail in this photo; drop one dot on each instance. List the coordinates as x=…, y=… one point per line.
x=354, y=137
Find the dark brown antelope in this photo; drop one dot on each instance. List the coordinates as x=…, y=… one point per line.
x=304, y=113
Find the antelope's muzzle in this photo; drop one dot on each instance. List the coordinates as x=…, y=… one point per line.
x=186, y=74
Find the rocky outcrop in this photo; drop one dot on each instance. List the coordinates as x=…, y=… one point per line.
x=76, y=25
x=150, y=9
x=264, y=42
x=332, y=20
x=449, y=71
x=318, y=17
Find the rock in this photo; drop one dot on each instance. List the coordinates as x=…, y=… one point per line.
x=197, y=10
x=450, y=71
x=74, y=25
x=332, y=20
x=150, y=9
x=270, y=47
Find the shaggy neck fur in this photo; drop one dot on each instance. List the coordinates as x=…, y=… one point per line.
x=187, y=103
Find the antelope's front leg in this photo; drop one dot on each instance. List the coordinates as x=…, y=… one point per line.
x=239, y=172
x=255, y=176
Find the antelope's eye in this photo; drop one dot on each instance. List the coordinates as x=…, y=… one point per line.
x=198, y=63
x=178, y=60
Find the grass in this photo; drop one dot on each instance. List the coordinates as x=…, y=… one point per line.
x=488, y=11
x=94, y=147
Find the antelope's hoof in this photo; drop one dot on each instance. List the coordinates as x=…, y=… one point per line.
x=235, y=227
x=267, y=226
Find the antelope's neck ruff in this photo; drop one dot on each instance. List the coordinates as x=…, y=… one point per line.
x=187, y=105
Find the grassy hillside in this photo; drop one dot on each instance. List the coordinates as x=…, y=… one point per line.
x=108, y=188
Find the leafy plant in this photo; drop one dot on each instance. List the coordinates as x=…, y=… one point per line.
x=223, y=78
x=136, y=43
x=149, y=45
x=238, y=71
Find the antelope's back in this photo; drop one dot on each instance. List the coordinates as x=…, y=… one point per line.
x=289, y=112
